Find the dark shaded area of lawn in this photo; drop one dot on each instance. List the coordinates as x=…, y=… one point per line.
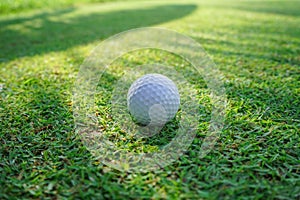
x=49, y=35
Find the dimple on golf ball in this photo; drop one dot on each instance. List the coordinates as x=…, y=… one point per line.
x=153, y=100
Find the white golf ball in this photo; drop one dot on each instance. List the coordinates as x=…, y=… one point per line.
x=153, y=100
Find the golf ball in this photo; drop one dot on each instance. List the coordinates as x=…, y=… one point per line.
x=153, y=100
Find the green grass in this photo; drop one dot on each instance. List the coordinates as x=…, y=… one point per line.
x=256, y=45
x=17, y=6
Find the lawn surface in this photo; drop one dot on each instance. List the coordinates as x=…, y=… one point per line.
x=256, y=46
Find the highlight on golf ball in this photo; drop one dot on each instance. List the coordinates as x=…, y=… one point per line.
x=153, y=100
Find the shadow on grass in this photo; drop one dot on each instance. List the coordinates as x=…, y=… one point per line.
x=38, y=142
x=41, y=33
x=255, y=50
x=276, y=98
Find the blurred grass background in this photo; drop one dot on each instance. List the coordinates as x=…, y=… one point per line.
x=16, y=6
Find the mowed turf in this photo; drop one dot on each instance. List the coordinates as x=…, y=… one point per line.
x=256, y=46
